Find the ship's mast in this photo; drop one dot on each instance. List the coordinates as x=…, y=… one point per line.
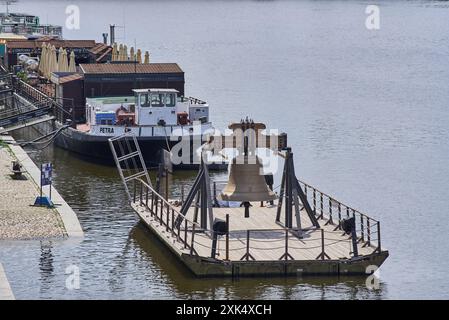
x=8, y=3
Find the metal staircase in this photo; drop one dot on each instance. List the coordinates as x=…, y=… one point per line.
x=23, y=105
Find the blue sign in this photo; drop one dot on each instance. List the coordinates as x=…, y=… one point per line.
x=46, y=172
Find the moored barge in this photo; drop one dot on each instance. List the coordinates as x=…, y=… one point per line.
x=159, y=118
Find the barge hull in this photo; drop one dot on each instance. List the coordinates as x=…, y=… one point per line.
x=97, y=149
x=206, y=268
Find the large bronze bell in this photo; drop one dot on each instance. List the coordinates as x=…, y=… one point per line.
x=246, y=181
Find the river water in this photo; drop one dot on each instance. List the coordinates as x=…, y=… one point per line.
x=366, y=112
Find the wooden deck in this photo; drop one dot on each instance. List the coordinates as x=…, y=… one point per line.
x=260, y=246
x=266, y=237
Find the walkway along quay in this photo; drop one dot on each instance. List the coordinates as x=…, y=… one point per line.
x=18, y=218
x=301, y=231
x=22, y=106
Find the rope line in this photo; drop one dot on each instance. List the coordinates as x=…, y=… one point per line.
x=166, y=139
x=277, y=248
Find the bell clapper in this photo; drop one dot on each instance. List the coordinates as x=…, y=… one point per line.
x=246, y=204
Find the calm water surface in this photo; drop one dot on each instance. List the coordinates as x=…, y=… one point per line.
x=366, y=113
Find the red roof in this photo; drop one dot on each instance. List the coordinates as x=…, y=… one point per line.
x=32, y=44
x=70, y=78
x=128, y=68
x=99, y=48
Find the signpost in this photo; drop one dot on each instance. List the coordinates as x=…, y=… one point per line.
x=46, y=180
x=46, y=173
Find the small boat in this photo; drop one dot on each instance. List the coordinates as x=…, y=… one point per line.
x=26, y=25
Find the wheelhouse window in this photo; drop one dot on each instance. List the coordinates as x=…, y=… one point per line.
x=157, y=99
x=144, y=101
x=170, y=100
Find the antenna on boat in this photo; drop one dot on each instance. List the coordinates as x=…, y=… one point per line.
x=8, y=3
x=133, y=58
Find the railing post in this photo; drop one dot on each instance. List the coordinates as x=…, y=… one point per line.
x=134, y=196
x=321, y=205
x=314, y=200
x=379, y=248
x=355, y=223
x=179, y=230
x=331, y=220
x=173, y=222
x=227, y=237
x=168, y=217
x=286, y=255
x=146, y=197
x=322, y=244
x=141, y=191
x=368, y=230
x=152, y=202
x=161, y=219
x=247, y=244
x=154, y=205
x=247, y=255
x=185, y=233
x=182, y=193
x=323, y=255
x=339, y=212
x=362, y=228
x=158, y=208
x=286, y=244
x=193, y=241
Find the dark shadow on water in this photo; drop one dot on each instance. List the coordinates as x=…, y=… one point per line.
x=46, y=266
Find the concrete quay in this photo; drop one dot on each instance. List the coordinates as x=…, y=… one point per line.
x=19, y=220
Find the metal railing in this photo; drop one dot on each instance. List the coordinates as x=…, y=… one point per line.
x=193, y=100
x=284, y=240
x=38, y=98
x=166, y=214
x=332, y=210
x=30, y=93
x=253, y=241
x=27, y=29
x=4, y=72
